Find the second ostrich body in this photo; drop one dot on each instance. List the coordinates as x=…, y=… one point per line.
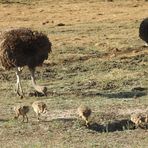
x=143, y=31
x=24, y=47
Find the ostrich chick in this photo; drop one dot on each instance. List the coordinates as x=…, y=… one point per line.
x=143, y=31
x=24, y=47
x=21, y=110
x=84, y=112
x=39, y=108
x=139, y=118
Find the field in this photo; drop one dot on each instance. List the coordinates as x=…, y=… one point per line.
x=97, y=59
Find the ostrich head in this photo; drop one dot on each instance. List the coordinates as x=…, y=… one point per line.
x=41, y=89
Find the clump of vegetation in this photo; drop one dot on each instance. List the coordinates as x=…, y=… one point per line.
x=97, y=59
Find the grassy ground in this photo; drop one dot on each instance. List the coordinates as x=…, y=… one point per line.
x=97, y=60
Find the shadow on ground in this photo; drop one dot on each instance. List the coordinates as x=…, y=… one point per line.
x=127, y=94
x=119, y=125
x=119, y=95
x=65, y=119
x=4, y=120
x=11, y=2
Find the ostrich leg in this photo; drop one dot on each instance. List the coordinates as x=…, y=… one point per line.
x=19, y=90
x=40, y=89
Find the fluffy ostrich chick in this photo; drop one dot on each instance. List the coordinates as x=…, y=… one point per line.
x=139, y=118
x=84, y=112
x=143, y=31
x=24, y=47
x=39, y=108
x=21, y=110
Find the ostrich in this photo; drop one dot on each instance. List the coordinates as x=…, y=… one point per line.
x=139, y=118
x=39, y=107
x=24, y=47
x=84, y=112
x=143, y=31
x=21, y=110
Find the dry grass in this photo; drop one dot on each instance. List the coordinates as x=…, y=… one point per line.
x=97, y=60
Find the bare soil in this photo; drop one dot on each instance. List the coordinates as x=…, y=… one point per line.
x=98, y=59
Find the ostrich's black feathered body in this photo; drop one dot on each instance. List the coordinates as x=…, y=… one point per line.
x=24, y=47
x=143, y=30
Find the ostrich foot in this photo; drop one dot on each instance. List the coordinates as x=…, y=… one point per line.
x=17, y=91
x=21, y=96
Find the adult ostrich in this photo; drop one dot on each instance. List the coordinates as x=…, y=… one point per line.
x=24, y=47
x=143, y=31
